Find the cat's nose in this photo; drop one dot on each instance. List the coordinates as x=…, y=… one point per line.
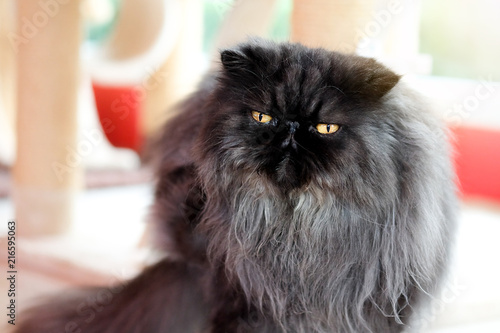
x=290, y=140
x=292, y=126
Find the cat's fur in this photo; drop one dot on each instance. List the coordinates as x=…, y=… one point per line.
x=274, y=227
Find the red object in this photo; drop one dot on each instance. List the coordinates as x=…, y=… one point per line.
x=119, y=109
x=477, y=162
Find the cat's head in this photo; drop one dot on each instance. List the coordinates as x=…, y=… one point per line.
x=290, y=116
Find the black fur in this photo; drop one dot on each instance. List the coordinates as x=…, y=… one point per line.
x=274, y=227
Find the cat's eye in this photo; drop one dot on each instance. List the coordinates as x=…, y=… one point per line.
x=327, y=128
x=261, y=117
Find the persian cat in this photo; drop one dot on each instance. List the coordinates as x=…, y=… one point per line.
x=298, y=190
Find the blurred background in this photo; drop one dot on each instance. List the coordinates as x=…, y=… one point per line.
x=85, y=83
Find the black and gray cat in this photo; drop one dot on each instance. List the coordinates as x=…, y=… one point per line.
x=299, y=190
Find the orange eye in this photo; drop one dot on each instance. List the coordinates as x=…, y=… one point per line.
x=327, y=128
x=261, y=117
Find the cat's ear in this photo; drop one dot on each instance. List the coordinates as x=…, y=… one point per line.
x=233, y=60
x=372, y=80
x=381, y=79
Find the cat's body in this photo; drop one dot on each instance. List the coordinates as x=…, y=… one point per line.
x=273, y=225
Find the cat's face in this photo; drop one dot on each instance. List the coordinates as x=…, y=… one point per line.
x=292, y=114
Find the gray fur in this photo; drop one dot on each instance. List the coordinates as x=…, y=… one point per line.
x=302, y=257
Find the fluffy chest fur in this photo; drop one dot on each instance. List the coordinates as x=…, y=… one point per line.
x=306, y=259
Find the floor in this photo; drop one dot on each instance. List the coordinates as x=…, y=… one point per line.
x=109, y=224
x=471, y=301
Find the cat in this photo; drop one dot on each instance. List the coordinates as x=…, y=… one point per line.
x=298, y=190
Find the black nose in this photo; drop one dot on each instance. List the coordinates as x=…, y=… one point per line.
x=289, y=139
x=292, y=125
